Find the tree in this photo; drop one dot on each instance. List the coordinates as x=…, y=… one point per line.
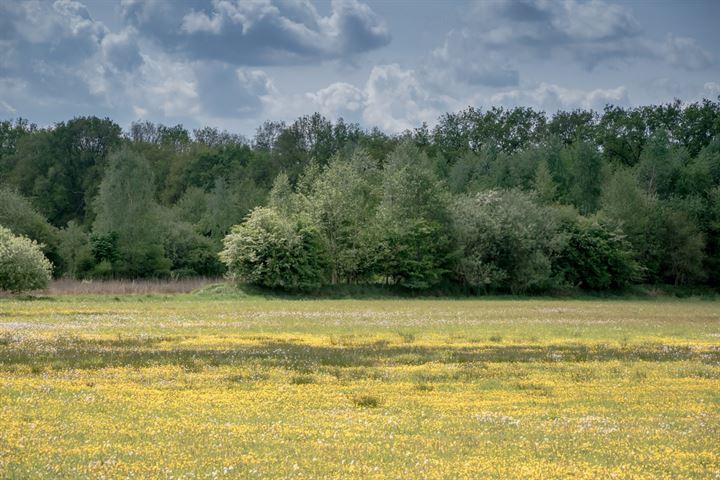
x=190, y=253
x=342, y=201
x=60, y=169
x=625, y=206
x=413, y=222
x=126, y=206
x=18, y=215
x=658, y=170
x=681, y=246
x=22, y=264
x=570, y=127
x=276, y=252
x=596, y=257
x=587, y=174
x=75, y=250
x=544, y=184
x=506, y=241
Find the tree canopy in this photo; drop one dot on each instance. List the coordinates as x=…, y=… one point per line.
x=487, y=199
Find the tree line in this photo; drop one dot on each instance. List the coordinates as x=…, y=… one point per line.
x=488, y=200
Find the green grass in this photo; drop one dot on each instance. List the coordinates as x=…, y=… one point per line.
x=229, y=385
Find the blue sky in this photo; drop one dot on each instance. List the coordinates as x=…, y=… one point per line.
x=392, y=64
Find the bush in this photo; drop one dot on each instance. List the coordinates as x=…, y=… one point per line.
x=22, y=264
x=507, y=242
x=275, y=252
x=19, y=216
x=191, y=254
x=415, y=254
x=596, y=257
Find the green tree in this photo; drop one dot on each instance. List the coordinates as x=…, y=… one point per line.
x=596, y=257
x=342, y=202
x=21, y=217
x=544, y=184
x=60, y=169
x=75, y=250
x=658, y=170
x=587, y=175
x=507, y=242
x=126, y=206
x=22, y=264
x=276, y=252
x=413, y=220
x=682, y=246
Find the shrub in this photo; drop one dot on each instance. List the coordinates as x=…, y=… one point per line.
x=272, y=251
x=19, y=216
x=596, y=257
x=507, y=242
x=22, y=264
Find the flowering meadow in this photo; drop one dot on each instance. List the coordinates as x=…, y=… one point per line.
x=187, y=386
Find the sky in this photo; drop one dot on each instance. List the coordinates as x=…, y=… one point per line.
x=393, y=64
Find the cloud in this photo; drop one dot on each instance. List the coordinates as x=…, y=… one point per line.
x=55, y=56
x=6, y=107
x=61, y=55
x=339, y=100
x=227, y=91
x=176, y=89
x=392, y=98
x=589, y=33
x=712, y=88
x=397, y=100
x=684, y=52
x=550, y=98
x=258, y=32
x=458, y=60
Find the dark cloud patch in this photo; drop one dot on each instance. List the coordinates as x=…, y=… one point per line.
x=231, y=92
x=590, y=33
x=257, y=33
x=491, y=77
x=523, y=11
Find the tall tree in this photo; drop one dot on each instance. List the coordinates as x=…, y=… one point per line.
x=126, y=206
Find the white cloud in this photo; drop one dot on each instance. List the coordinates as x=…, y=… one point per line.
x=195, y=22
x=712, y=88
x=459, y=60
x=392, y=98
x=338, y=99
x=550, y=97
x=397, y=100
x=167, y=87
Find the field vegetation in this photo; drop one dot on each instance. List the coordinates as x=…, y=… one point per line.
x=227, y=385
x=487, y=201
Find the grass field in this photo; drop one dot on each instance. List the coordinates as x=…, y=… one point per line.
x=188, y=386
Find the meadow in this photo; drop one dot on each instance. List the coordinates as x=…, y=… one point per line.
x=203, y=386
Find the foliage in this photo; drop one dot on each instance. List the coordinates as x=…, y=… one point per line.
x=20, y=216
x=76, y=250
x=126, y=207
x=380, y=204
x=22, y=264
x=413, y=219
x=275, y=252
x=596, y=257
x=342, y=201
x=507, y=241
